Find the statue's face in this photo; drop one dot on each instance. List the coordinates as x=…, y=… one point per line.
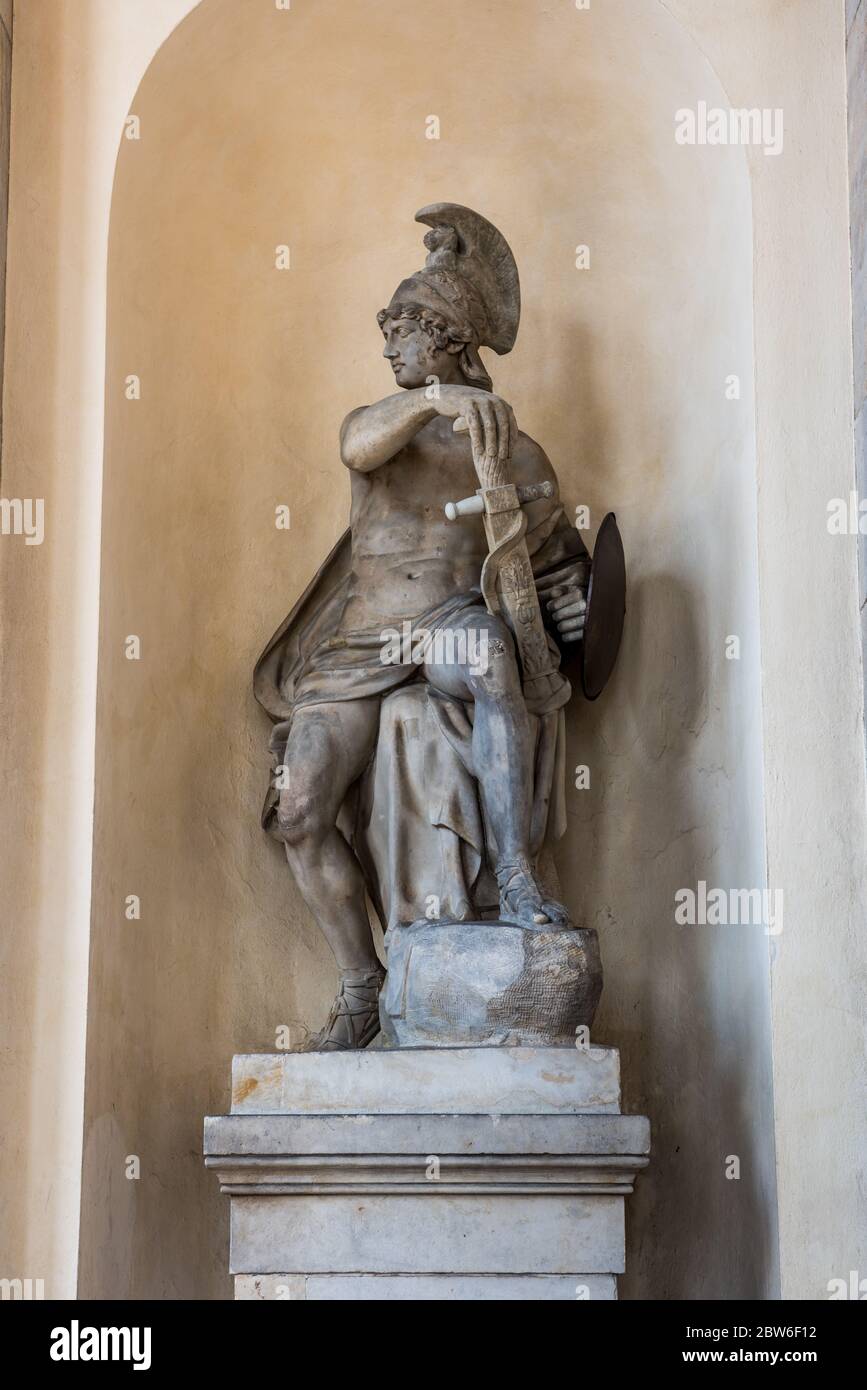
x=414, y=355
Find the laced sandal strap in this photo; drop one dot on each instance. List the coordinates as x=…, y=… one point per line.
x=517, y=884
x=362, y=979
x=353, y=1021
x=521, y=899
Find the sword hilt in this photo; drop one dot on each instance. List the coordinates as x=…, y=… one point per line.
x=470, y=506
x=475, y=505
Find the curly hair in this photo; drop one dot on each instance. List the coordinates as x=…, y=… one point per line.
x=443, y=333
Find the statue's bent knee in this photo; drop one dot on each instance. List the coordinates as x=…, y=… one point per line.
x=497, y=669
x=299, y=819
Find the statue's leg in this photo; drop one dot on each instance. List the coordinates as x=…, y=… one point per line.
x=502, y=756
x=328, y=749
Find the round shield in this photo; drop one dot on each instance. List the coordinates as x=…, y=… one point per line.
x=606, y=607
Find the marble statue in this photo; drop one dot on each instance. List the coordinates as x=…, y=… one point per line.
x=415, y=688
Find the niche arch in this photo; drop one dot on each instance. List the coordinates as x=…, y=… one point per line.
x=265, y=130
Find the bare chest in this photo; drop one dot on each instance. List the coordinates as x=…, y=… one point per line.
x=398, y=509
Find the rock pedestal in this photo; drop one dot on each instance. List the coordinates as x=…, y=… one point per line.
x=427, y=1173
x=488, y=984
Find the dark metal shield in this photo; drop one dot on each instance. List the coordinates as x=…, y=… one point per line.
x=606, y=607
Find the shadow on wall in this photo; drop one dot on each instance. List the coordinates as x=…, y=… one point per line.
x=677, y=1001
x=674, y=798
x=242, y=152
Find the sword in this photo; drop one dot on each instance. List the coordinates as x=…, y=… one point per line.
x=508, y=585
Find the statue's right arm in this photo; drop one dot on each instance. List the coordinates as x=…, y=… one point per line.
x=373, y=434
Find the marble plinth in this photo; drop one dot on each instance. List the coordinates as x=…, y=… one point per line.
x=427, y=1174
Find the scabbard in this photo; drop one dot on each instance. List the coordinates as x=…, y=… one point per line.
x=508, y=586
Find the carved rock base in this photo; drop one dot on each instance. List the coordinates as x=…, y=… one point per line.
x=432, y=1174
x=488, y=984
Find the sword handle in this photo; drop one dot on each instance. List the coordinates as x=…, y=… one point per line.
x=470, y=506
x=475, y=505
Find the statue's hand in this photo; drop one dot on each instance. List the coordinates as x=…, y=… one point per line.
x=566, y=594
x=490, y=423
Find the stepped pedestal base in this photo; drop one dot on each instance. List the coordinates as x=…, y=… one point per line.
x=416, y=1174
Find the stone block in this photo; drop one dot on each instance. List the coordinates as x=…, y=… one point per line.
x=427, y=1288
x=488, y=984
x=431, y=1233
x=506, y=1080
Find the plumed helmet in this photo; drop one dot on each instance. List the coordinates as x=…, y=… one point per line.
x=469, y=278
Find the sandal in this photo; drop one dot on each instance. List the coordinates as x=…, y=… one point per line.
x=354, y=1018
x=522, y=901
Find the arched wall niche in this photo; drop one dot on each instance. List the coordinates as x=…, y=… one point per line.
x=307, y=127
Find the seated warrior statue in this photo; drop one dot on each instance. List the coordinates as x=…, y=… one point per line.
x=323, y=679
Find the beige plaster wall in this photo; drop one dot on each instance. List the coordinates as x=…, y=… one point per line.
x=811, y=660
x=270, y=131
x=856, y=64
x=5, y=120
x=76, y=68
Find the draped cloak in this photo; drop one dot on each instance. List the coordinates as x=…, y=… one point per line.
x=414, y=819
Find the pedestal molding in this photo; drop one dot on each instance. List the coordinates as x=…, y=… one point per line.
x=451, y=1174
x=491, y=1174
